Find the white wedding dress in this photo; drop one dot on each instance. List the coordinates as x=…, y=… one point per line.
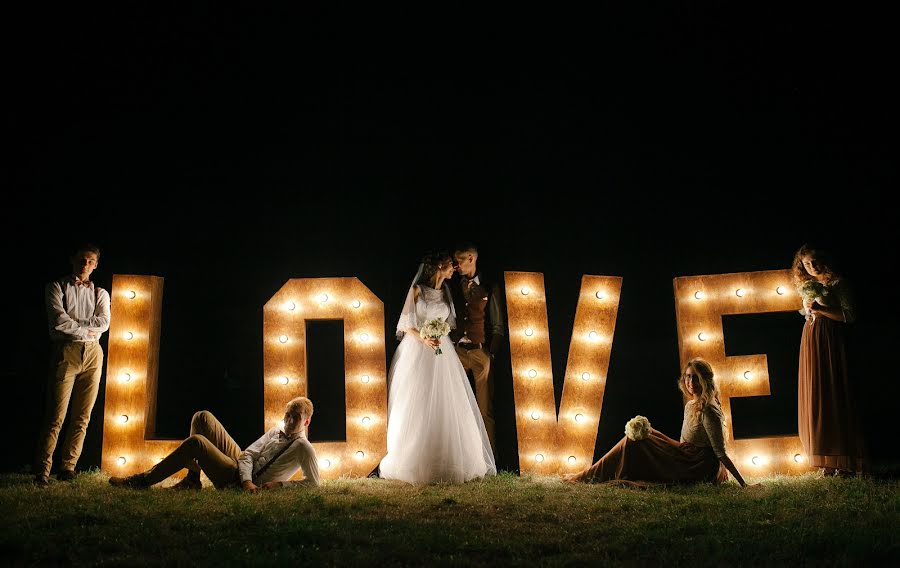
x=435, y=430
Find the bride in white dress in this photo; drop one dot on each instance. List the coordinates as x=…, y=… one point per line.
x=435, y=430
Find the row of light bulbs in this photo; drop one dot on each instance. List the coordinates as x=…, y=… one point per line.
x=322, y=299
x=578, y=417
x=324, y=462
x=763, y=460
x=741, y=292
x=532, y=373
x=285, y=380
x=571, y=460
x=362, y=337
x=592, y=335
x=599, y=294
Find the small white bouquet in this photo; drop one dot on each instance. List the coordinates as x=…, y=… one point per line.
x=812, y=291
x=435, y=329
x=637, y=428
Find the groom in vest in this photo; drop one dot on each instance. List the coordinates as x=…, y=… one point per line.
x=479, y=329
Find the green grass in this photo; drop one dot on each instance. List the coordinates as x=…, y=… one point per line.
x=505, y=520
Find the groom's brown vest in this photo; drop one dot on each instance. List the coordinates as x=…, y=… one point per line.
x=473, y=314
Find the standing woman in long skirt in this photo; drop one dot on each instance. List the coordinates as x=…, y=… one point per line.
x=829, y=422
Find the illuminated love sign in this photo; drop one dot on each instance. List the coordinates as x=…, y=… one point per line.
x=548, y=443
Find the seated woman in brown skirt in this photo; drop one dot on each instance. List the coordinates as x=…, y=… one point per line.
x=699, y=456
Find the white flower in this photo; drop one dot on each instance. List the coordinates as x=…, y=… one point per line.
x=812, y=291
x=434, y=329
x=637, y=428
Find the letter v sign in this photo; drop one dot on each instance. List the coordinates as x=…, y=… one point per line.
x=547, y=443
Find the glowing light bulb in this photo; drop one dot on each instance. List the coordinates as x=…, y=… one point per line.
x=701, y=336
x=740, y=292
x=798, y=458
x=532, y=373
x=366, y=421
x=593, y=336
x=121, y=460
x=748, y=375
x=600, y=294
x=360, y=455
x=131, y=294
x=284, y=380
x=290, y=306
x=529, y=332
x=124, y=377
x=571, y=460
x=365, y=378
x=129, y=336
x=356, y=303
x=579, y=418
x=364, y=337
x=326, y=463
x=525, y=291
x=123, y=419
x=283, y=338
x=535, y=414
x=758, y=460
x=698, y=295
x=780, y=290
x=539, y=458
x=585, y=376
x=322, y=298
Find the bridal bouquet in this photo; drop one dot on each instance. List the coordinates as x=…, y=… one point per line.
x=435, y=329
x=637, y=428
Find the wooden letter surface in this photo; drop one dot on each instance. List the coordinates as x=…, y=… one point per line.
x=132, y=366
x=285, y=374
x=700, y=302
x=547, y=443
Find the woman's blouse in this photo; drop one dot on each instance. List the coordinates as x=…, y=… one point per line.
x=704, y=429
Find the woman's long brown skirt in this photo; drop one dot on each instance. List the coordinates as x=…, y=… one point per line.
x=656, y=458
x=829, y=423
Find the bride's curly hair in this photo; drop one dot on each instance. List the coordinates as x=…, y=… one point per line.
x=431, y=262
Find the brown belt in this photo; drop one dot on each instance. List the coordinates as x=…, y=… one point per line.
x=469, y=346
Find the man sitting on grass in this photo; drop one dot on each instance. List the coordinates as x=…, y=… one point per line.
x=267, y=463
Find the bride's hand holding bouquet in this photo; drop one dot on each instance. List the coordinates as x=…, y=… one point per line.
x=432, y=332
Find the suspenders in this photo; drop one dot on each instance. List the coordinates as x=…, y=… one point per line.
x=62, y=287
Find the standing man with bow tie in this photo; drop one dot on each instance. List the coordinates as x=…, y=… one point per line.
x=479, y=330
x=78, y=314
x=267, y=463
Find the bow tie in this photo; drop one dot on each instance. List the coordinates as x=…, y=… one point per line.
x=85, y=283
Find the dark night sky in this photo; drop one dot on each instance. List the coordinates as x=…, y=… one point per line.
x=230, y=151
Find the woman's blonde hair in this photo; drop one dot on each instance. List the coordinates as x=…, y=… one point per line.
x=709, y=391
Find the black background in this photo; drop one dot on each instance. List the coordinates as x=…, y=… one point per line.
x=229, y=151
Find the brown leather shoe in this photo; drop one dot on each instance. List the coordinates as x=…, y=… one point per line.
x=41, y=480
x=136, y=481
x=188, y=484
x=66, y=475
